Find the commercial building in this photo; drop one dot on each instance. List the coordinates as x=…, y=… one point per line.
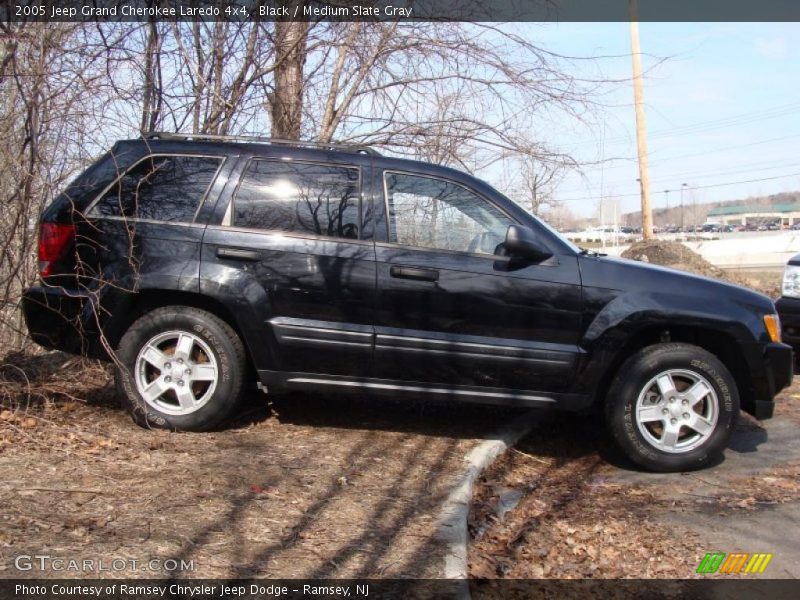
x=786, y=214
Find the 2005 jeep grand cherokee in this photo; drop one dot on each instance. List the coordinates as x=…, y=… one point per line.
x=201, y=264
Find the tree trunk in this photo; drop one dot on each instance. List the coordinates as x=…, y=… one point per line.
x=151, y=103
x=287, y=99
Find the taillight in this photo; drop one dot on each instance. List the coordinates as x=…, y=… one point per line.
x=54, y=241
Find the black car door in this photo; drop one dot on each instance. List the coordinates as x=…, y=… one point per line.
x=291, y=246
x=451, y=310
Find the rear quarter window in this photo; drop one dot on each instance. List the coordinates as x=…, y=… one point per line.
x=161, y=188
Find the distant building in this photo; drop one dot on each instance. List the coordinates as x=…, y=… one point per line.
x=786, y=214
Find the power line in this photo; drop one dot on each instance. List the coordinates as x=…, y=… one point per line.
x=697, y=187
x=722, y=149
x=722, y=123
x=702, y=126
x=735, y=169
x=725, y=148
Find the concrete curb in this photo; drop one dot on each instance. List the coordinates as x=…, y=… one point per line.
x=452, y=529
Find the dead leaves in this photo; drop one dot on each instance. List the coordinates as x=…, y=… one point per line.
x=576, y=520
x=570, y=523
x=56, y=428
x=19, y=419
x=262, y=491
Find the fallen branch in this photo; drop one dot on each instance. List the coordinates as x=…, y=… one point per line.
x=63, y=491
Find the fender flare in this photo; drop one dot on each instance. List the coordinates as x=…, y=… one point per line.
x=607, y=338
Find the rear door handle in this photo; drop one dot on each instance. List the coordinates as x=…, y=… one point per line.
x=239, y=254
x=414, y=273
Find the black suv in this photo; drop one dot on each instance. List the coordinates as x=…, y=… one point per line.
x=198, y=264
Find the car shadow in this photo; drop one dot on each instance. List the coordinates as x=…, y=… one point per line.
x=424, y=416
x=745, y=442
x=560, y=435
x=568, y=437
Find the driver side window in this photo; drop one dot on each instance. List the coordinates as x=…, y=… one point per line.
x=433, y=213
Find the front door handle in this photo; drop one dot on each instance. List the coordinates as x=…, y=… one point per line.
x=239, y=254
x=415, y=273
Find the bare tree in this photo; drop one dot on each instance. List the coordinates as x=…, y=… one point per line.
x=561, y=217
x=400, y=84
x=537, y=181
x=461, y=94
x=286, y=101
x=151, y=103
x=35, y=92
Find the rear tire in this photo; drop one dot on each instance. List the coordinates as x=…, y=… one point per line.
x=180, y=368
x=672, y=407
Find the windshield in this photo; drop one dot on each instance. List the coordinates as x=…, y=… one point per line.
x=547, y=226
x=555, y=232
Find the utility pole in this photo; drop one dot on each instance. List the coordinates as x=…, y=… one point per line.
x=683, y=187
x=641, y=124
x=602, y=226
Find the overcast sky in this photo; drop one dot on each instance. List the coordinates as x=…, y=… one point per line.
x=722, y=103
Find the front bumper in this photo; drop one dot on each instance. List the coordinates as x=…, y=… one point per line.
x=789, y=313
x=60, y=319
x=778, y=370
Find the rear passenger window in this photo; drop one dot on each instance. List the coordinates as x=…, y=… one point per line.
x=299, y=198
x=162, y=188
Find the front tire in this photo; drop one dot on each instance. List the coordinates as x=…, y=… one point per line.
x=672, y=407
x=180, y=368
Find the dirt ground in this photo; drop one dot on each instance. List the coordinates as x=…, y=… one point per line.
x=307, y=486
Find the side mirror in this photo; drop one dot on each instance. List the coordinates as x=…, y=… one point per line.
x=521, y=242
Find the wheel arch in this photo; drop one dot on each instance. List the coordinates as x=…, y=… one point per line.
x=147, y=300
x=721, y=344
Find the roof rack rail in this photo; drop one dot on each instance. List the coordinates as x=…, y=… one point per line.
x=255, y=139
